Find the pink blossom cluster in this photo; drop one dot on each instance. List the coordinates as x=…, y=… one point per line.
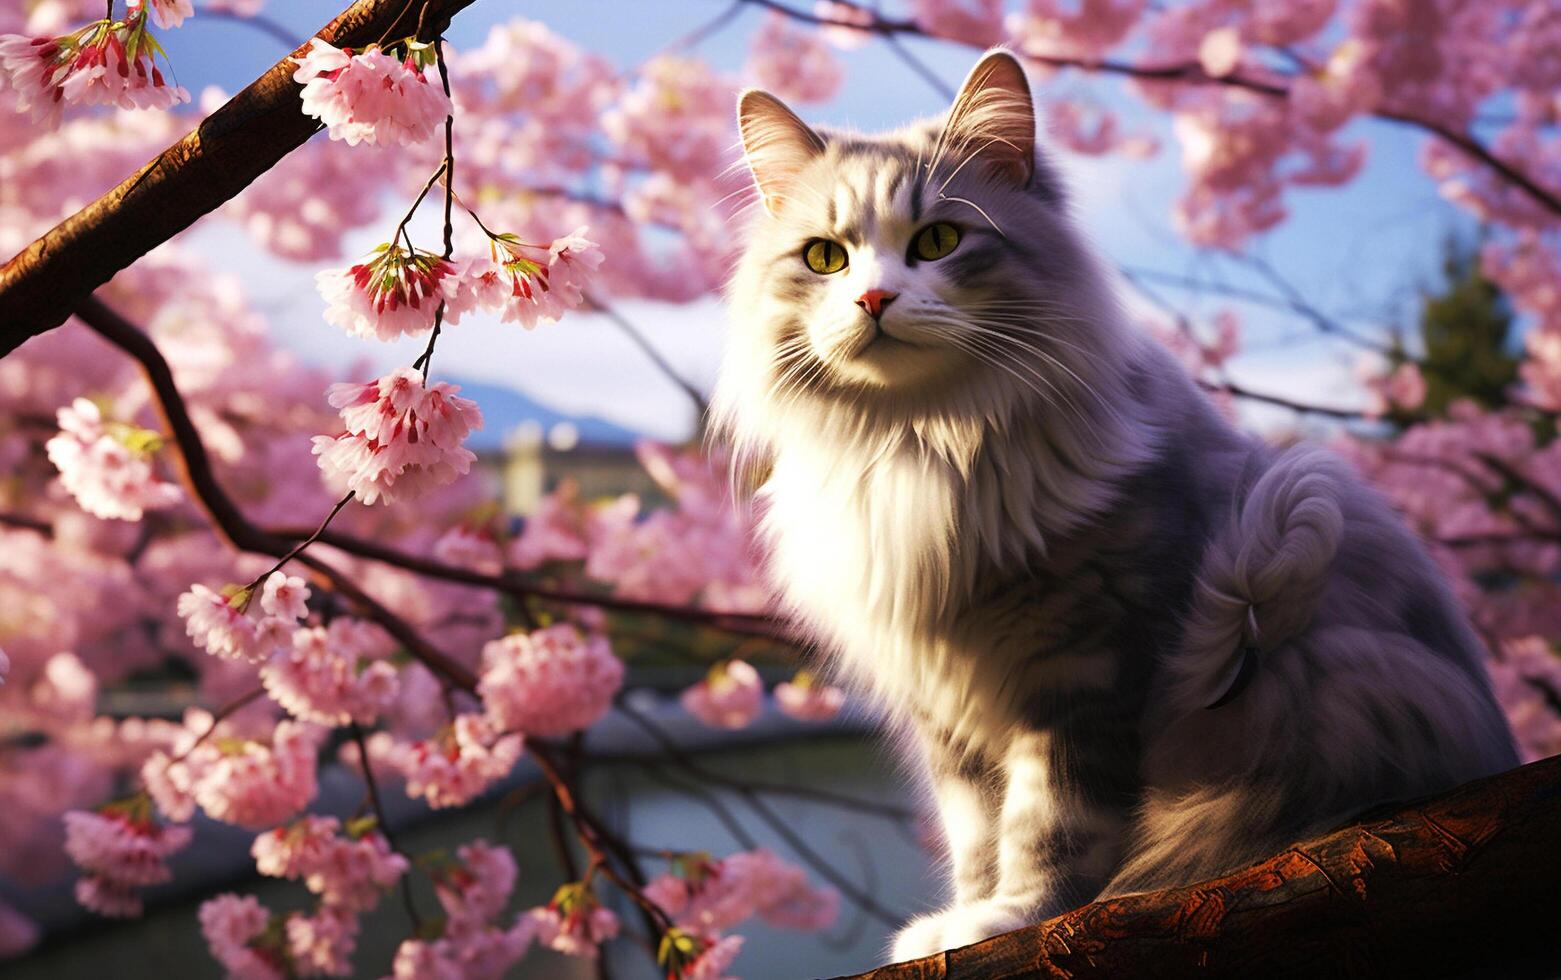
x=120, y=848
x=1527, y=680
x=348, y=872
x=474, y=889
x=792, y=62
x=702, y=549
x=806, y=698
x=333, y=675
x=370, y=96
x=730, y=696
x=107, y=466
x=234, y=927
x=523, y=286
x=253, y=782
x=104, y=63
x=392, y=293
x=550, y=681
x=709, y=897
x=574, y=923
x=221, y=622
x=402, y=437
x=456, y=765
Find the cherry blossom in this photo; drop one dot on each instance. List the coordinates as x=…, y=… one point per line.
x=524, y=285
x=104, y=63
x=471, y=549
x=458, y=764
x=231, y=925
x=331, y=675
x=730, y=696
x=574, y=922
x=550, y=681
x=792, y=62
x=165, y=13
x=708, y=897
x=806, y=698
x=234, y=778
x=370, y=96
x=402, y=438
x=220, y=623
x=348, y=873
x=107, y=466
x=391, y=293
x=120, y=848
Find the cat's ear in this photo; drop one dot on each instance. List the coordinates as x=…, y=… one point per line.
x=777, y=144
x=993, y=118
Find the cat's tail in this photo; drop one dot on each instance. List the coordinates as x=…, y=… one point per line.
x=1262, y=576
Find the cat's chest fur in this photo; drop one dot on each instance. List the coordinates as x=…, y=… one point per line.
x=897, y=561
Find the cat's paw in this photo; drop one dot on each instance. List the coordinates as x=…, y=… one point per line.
x=922, y=936
x=983, y=920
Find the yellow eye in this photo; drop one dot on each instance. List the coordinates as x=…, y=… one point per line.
x=935, y=241
x=824, y=256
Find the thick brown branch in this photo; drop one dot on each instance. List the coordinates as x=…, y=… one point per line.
x=40, y=287
x=1465, y=881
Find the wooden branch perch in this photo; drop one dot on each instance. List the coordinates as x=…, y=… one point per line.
x=1462, y=884
x=43, y=284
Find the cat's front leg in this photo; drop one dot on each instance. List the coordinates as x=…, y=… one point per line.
x=962, y=787
x=1057, y=844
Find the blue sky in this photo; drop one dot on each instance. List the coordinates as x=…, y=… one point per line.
x=1359, y=252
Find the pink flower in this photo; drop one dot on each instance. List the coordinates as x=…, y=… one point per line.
x=475, y=887
x=93, y=66
x=285, y=595
x=975, y=22
x=402, y=438
x=231, y=925
x=219, y=623
x=107, y=466
x=516, y=281
x=471, y=549
x=574, y=922
x=843, y=37
x=793, y=62
x=558, y=530
x=120, y=848
x=713, y=961
x=371, y=97
x=391, y=293
x=235, y=779
x=805, y=698
x=730, y=696
x=551, y=681
x=460, y=763
x=322, y=944
x=165, y=13
x=329, y=676
x=348, y=873
x=708, y=897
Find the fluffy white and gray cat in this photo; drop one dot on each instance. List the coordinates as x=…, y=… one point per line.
x=1133, y=647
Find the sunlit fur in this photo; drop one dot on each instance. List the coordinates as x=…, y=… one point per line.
x=1014, y=522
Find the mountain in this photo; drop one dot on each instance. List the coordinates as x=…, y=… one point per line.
x=504, y=408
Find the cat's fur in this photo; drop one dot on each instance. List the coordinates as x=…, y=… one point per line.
x=1018, y=524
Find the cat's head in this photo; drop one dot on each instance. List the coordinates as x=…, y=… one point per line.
x=925, y=271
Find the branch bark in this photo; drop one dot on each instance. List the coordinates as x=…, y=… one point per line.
x=43, y=284
x=1461, y=883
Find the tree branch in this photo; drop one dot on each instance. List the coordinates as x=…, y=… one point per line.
x=1467, y=880
x=1192, y=73
x=230, y=148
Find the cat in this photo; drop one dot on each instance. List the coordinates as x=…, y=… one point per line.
x=1128, y=646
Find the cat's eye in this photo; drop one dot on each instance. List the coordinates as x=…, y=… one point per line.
x=935, y=241
x=824, y=256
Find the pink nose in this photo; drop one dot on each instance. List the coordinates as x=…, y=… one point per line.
x=874, y=301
